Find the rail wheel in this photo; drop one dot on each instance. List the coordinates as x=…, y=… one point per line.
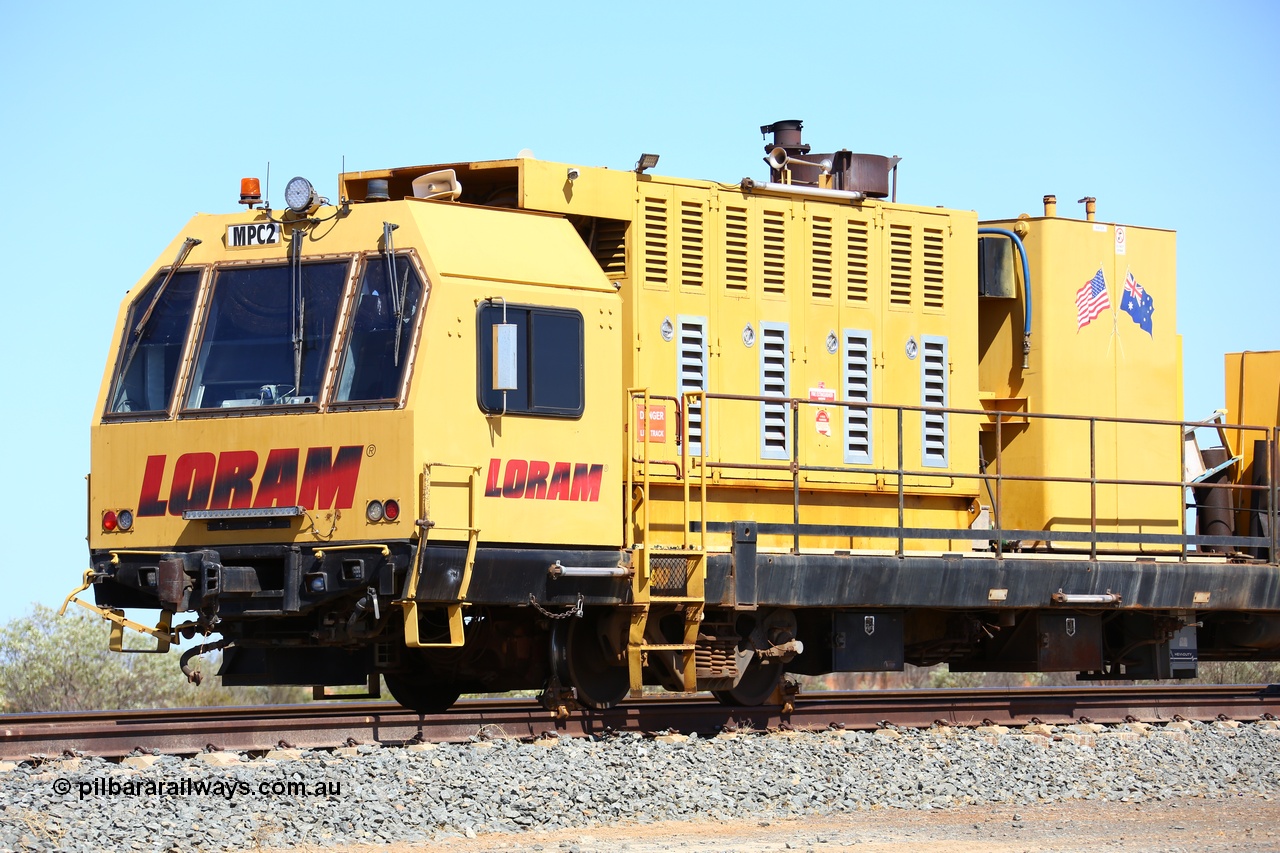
x=418, y=693
x=582, y=660
x=755, y=687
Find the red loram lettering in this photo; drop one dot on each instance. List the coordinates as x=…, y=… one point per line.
x=279, y=486
x=539, y=480
x=226, y=481
x=329, y=482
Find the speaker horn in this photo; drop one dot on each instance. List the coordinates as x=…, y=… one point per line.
x=779, y=160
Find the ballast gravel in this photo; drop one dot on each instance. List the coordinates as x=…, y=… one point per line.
x=377, y=795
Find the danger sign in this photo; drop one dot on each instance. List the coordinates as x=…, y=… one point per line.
x=822, y=394
x=657, y=423
x=823, y=422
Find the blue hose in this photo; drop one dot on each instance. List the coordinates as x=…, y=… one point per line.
x=1026, y=287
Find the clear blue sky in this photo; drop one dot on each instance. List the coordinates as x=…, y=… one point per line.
x=121, y=120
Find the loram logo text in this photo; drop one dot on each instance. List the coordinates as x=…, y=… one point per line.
x=231, y=480
x=533, y=478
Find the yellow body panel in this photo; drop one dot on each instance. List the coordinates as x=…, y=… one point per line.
x=695, y=286
x=1109, y=368
x=1253, y=399
x=525, y=258
x=717, y=266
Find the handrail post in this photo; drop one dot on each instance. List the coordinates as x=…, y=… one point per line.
x=795, y=476
x=644, y=415
x=901, y=495
x=1093, y=489
x=1182, y=489
x=999, y=487
x=628, y=516
x=684, y=468
x=704, y=448
x=1272, y=511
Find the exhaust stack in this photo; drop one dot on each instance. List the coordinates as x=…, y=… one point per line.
x=791, y=162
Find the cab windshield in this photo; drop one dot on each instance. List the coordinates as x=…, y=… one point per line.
x=152, y=354
x=377, y=351
x=268, y=335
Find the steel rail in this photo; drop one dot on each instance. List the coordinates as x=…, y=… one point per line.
x=328, y=725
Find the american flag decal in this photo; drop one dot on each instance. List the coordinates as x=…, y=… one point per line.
x=1092, y=300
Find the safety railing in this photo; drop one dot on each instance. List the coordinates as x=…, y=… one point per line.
x=995, y=475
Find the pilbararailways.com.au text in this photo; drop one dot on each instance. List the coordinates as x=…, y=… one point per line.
x=227, y=789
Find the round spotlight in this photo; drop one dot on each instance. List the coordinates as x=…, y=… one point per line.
x=125, y=519
x=391, y=509
x=109, y=521
x=374, y=511
x=300, y=196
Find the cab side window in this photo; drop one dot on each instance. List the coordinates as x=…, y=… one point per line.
x=376, y=356
x=549, y=361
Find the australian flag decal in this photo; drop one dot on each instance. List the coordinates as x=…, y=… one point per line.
x=1137, y=303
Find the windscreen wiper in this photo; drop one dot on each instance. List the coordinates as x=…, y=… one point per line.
x=136, y=332
x=399, y=293
x=298, y=305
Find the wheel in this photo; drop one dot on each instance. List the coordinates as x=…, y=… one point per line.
x=418, y=694
x=755, y=687
x=581, y=660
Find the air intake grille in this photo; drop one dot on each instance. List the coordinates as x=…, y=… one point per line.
x=692, y=251
x=775, y=424
x=655, y=242
x=857, y=389
x=693, y=372
x=856, y=262
x=610, y=249
x=900, y=265
x=735, y=248
x=821, y=263
x=933, y=392
x=933, y=269
x=774, y=274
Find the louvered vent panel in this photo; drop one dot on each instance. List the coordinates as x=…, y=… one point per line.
x=692, y=252
x=735, y=248
x=774, y=273
x=933, y=392
x=692, y=366
x=821, y=263
x=900, y=265
x=611, y=247
x=932, y=263
x=857, y=389
x=774, y=382
x=655, y=242
x=856, y=262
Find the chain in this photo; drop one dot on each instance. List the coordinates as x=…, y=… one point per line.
x=574, y=609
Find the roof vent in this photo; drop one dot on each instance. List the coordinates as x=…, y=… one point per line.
x=376, y=190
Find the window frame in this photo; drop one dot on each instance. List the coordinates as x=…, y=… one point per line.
x=176, y=393
x=200, y=329
x=347, y=326
x=484, y=342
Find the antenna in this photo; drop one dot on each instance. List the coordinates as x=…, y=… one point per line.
x=267, y=195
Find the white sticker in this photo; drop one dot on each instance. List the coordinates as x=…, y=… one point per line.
x=822, y=394
x=1119, y=239
x=250, y=235
x=823, y=422
x=1100, y=227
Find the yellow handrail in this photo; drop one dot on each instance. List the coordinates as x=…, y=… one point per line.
x=409, y=604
